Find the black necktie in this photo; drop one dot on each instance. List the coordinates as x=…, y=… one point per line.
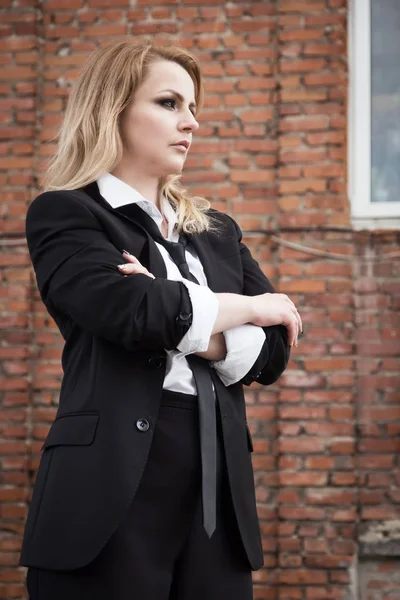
x=201, y=373
x=177, y=252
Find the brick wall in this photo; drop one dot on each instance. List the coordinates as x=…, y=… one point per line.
x=271, y=151
x=379, y=580
x=19, y=51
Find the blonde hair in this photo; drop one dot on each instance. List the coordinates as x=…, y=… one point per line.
x=89, y=141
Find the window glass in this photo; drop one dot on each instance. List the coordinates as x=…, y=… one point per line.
x=385, y=100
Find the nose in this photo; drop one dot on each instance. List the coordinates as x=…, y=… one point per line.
x=189, y=124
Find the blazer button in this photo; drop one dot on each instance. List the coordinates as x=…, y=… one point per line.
x=142, y=424
x=157, y=362
x=184, y=316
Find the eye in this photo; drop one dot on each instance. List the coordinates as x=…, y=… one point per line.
x=173, y=102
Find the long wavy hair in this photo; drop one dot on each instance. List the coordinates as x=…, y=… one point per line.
x=89, y=141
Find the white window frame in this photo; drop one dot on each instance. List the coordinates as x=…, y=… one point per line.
x=365, y=214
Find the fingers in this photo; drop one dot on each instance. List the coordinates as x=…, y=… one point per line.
x=296, y=314
x=134, y=269
x=292, y=322
x=300, y=322
x=133, y=266
x=292, y=328
x=298, y=318
x=130, y=257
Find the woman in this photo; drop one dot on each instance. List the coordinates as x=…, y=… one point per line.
x=145, y=486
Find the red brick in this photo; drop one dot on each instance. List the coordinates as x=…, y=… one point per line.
x=300, y=34
x=314, y=49
x=288, y=496
x=342, y=447
x=326, y=137
x=301, y=6
x=375, y=445
x=303, y=95
x=303, y=124
x=252, y=176
x=328, y=396
x=329, y=429
x=331, y=496
x=289, y=429
x=327, y=170
x=341, y=413
x=378, y=461
x=302, y=65
x=304, y=479
x=276, y=97
x=302, y=412
x=290, y=560
x=324, y=463
x=376, y=513
x=301, y=576
x=302, y=156
x=289, y=173
x=306, y=445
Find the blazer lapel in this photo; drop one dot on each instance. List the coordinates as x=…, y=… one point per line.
x=201, y=243
x=150, y=254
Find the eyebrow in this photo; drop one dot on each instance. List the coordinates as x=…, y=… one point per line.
x=179, y=96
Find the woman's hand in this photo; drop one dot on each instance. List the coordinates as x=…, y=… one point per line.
x=266, y=310
x=277, y=309
x=216, y=349
x=133, y=266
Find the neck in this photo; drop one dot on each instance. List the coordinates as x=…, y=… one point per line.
x=147, y=186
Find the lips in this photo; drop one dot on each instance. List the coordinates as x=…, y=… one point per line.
x=183, y=143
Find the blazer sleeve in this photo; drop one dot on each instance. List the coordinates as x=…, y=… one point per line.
x=76, y=272
x=274, y=355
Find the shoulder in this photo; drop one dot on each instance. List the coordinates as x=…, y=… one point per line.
x=56, y=202
x=223, y=225
x=60, y=209
x=56, y=198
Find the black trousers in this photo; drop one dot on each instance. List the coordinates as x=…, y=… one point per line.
x=160, y=550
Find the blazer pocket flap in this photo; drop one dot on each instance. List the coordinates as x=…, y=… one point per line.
x=72, y=430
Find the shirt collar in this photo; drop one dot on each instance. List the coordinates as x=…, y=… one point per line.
x=118, y=193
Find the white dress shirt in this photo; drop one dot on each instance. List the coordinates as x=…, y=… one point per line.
x=243, y=343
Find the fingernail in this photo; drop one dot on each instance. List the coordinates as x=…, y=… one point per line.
x=126, y=252
x=121, y=266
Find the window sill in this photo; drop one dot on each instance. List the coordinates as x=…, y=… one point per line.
x=374, y=223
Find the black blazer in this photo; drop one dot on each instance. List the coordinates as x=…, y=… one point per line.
x=116, y=330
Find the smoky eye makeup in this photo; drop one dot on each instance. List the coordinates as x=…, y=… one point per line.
x=162, y=101
x=174, y=101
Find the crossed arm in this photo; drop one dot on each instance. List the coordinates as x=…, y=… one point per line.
x=234, y=311
x=75, y=266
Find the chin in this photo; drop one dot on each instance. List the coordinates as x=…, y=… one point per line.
x=174, y=168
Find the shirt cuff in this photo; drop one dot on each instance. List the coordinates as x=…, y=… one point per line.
x=205, y=310
x=243, y=345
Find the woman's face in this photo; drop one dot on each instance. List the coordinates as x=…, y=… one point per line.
x=157, y=119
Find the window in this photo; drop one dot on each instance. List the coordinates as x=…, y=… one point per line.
x=374, y=165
